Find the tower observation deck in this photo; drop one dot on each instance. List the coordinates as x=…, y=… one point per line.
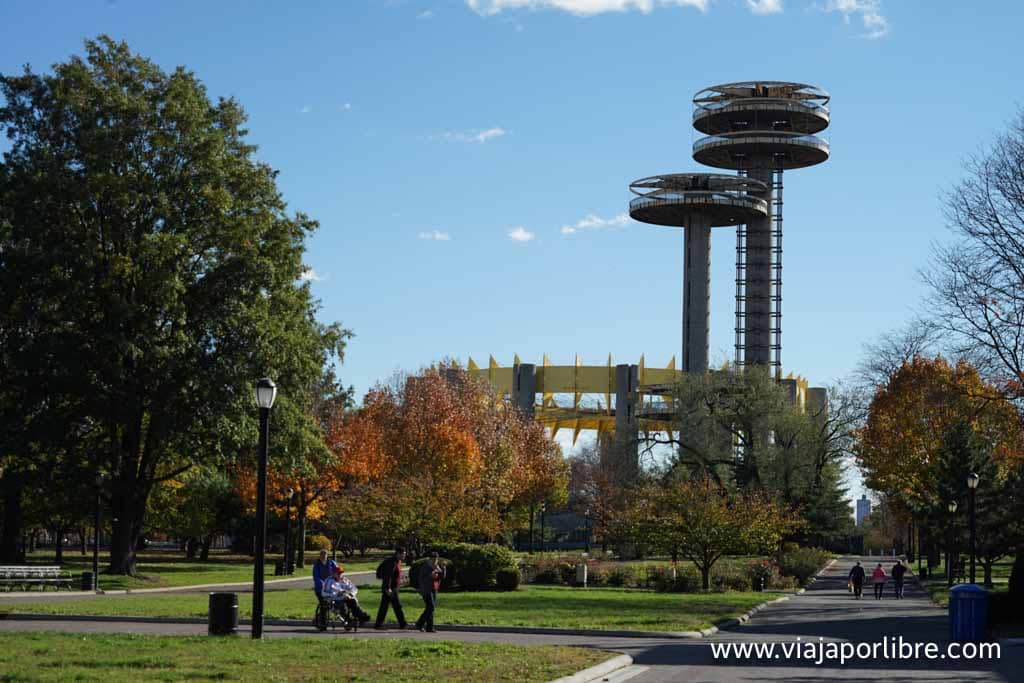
x=758, y=129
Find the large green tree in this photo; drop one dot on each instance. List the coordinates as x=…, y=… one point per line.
x=149, y=273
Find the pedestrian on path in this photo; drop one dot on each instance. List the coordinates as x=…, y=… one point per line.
x=323, y=569
x=430, y=575
x=390, y=573
x=878, y=577
x=898, y=570
x=857, y=579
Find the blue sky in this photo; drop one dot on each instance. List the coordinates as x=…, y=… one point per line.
x=445, y=145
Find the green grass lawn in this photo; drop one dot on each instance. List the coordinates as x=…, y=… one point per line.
x=164, y=569
x=94, y=657
x=549, y=606
x=937, y=586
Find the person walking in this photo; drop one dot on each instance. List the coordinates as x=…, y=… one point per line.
x=856, y=578
x=430, y=575
x=390, y=573
x=898, y=570
x=878, y=577
x=323, y=569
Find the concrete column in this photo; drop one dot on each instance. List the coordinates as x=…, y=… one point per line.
x=524, y=387
x=757, y=329
x=696, y=293
x=627, y=396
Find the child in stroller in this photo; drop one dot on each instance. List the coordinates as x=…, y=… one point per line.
x=338, y=599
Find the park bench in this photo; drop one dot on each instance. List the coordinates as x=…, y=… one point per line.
x=25, y=577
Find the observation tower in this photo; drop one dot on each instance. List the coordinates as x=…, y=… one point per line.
x=758, y=129
x=697, y=202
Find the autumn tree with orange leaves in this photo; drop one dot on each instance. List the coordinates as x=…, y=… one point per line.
x=444, y=459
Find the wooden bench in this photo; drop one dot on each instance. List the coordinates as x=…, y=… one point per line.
x=25, y=577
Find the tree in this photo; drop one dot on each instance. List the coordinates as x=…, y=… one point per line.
x=701, y=522
x=977, y=281
x=149, y=273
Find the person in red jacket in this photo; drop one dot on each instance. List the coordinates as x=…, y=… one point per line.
x=390, y=573
x=878, y=577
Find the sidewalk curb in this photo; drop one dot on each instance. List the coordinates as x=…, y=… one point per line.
x=1011, y=642
x=597, y=671
x=746, y=616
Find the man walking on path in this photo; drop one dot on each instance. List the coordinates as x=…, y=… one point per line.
x=857, y=579
x=429, y=580
x=390, y=573
x=898, y=570
x=878, y=577
x=323, y=569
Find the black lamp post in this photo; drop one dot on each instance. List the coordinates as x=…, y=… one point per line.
x=543, y=540
x=288, y=531
x=972, y=485
x=586, y=530
x=96, y=536
x=949, y=546
x=266, y=391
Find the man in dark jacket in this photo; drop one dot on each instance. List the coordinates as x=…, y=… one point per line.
x=390, y=574
x=857, y=579
x=898, y=570
x=429, y=580
x=323, y=569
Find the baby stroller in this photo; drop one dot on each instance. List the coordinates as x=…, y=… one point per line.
x=334, y=613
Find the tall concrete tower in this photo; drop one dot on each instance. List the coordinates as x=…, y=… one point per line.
x=697, y=202
x=760, y=129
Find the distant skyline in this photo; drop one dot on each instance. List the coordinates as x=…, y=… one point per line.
x=469, y=160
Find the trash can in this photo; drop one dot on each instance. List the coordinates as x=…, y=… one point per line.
x=223, y=616
x=968, y=613
x=87, y=581
x=279, y=568
x=581, y=574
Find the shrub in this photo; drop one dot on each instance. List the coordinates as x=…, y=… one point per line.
x=780, y=582
x=620, y=576
x=318, y=542
x=547, y=575
x=802, y=563
x=507, y=578
x=472, y=566
x=597, y=577
x=730, y=582
x=687, y=580
x=760, y=573
x=567, y=573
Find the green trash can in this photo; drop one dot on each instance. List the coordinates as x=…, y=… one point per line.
x=223, y=616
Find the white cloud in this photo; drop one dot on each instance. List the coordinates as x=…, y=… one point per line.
x=346, y=107
x=592, y=222
x=585, y=8
x=305, y=109
x=425, y=14
x=869, y=11
x=765, y=6
x=479, y=136
x=435, y=236
x=520, y=234
x=310, y=275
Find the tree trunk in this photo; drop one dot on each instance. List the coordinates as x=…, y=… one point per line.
x=204, y=551
x=300, y=561
x=9, y=547
x=705, y=578
x=126, y=526
x=82, y=545
x=190, y=548
x=988, y=573
x=59, y=546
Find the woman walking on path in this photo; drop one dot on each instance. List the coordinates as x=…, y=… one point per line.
x=878, y=577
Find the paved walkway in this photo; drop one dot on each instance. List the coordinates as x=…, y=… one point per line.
x=825, y=611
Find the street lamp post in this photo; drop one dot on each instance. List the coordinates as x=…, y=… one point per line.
x=96, y=536
x=266, y=391
x=949, y=546
x=288, y=531
x=972, y=485
x=543, y=540
x=586, y=530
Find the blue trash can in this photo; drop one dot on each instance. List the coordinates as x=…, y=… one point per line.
x=968, y=613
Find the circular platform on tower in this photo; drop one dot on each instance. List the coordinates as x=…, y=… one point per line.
x=767, y=149
x=675, y=199
x=761, y=106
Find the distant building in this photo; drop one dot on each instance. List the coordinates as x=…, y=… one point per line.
x=863, y=509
